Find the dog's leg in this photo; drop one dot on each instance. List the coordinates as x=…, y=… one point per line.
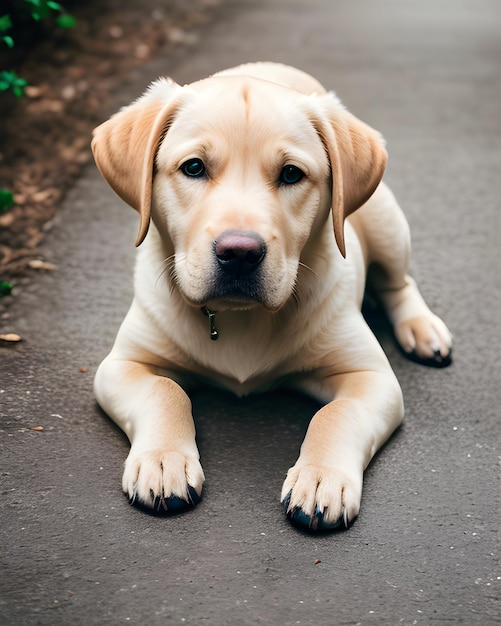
x=422, y=335
x=323, y=489
x=162, y=471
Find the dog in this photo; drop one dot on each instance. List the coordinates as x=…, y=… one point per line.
x=262, y=214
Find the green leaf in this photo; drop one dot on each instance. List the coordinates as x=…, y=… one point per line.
x=8, y=41
x=54, y=6
x=6, y=200
x=5, y=288
x=66, y=21
x=10, y=80
x=40, y=9
x=6, y=79
x=5, y=22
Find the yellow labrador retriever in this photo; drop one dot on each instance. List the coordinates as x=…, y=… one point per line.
x=250, y=275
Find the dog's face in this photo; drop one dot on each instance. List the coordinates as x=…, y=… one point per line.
x=242, y=179
x=238, y=174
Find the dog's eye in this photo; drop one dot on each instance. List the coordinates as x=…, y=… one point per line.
x=290, y=175
x=194, y=168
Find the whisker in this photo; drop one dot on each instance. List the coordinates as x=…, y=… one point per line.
x=295, y=293
x=170, y=269
x=300, y=287
x=307, y=267
x=169, y=259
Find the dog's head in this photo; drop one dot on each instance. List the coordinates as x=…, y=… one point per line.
x=237, y=174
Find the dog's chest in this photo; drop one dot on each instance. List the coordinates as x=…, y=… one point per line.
x=248, y=354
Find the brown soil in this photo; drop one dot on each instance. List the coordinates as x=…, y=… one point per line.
x=45, y=135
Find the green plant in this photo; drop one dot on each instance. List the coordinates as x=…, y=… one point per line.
x=6, y=200
x=10, y=80
x=39, y=10
x=5, y=288
x=5, y=25
x=43, y=8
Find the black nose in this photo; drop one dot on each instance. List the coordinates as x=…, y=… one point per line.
x=239, y=252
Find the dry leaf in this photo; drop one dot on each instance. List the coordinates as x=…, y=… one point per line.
x=33, y=91
x=38, y=264
x=7, y=219
x=10, y=337
x=44, y=194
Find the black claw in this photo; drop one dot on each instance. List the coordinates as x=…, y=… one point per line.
x=193, y=496
x=168, y=506
x=437, y=360
x=315, y=523
x=287, y=500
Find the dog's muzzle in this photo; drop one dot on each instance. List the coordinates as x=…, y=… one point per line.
x=237, y=270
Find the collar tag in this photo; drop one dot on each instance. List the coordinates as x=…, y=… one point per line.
x=213, y=333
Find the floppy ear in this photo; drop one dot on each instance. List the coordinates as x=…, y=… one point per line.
x=125, y=146
x=357, y=157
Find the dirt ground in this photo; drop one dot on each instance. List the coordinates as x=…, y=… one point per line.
x=45, y=135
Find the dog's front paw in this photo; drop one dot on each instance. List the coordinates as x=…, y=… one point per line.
x=321, y=498
x=425, y=339
x=163, y=481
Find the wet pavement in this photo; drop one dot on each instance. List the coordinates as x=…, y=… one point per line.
x=424, y=549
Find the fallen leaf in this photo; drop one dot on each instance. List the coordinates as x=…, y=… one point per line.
x=33, y=91
x=38, y=264
x=10, y=337
x=45, y=194
x=7, y=219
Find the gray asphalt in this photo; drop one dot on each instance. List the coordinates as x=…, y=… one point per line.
x=423, y=551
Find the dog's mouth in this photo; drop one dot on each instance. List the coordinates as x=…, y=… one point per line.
x=224, y=294
x=235, y=295
x=244, y=288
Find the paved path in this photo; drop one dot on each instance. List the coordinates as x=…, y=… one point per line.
x=427, y=74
